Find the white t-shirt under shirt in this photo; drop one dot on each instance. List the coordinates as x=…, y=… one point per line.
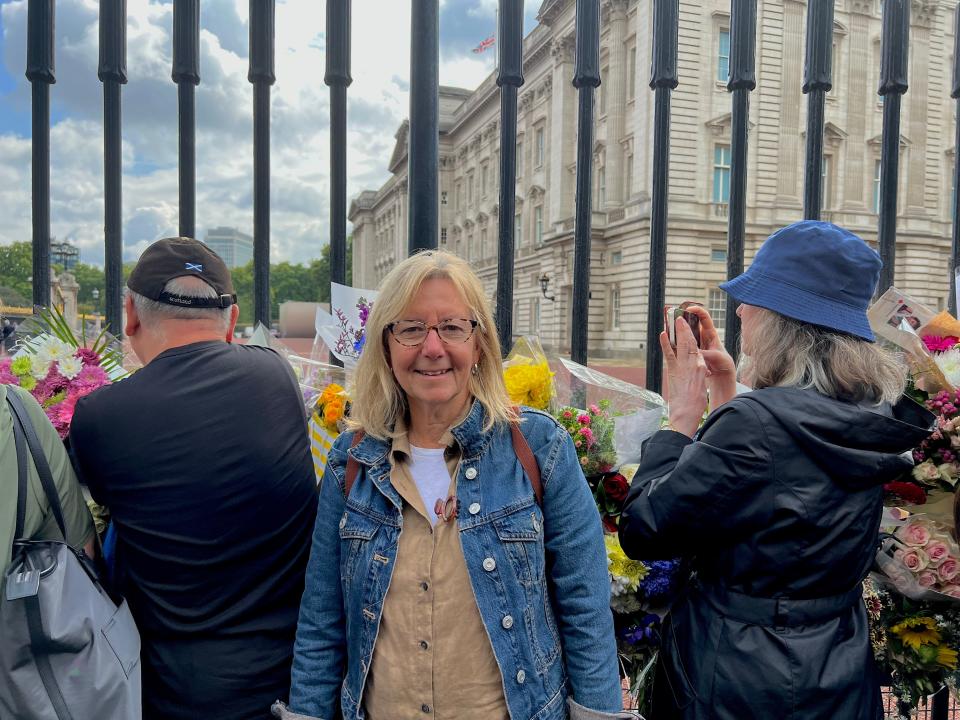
x=428, y=468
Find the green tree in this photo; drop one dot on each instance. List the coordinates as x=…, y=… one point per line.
x=16, y=267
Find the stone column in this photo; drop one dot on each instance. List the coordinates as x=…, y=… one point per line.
x=616, y=18
x=790, y=159
x=917, y=107
x=563, y=133
x=642, y=123
x=860, y=97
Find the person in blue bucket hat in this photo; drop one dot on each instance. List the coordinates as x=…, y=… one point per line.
x=775, y=501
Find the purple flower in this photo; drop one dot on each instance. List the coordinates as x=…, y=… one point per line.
x=645, y=632
x=659, y=581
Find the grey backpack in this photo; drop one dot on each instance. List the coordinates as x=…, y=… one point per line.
x=67, y=651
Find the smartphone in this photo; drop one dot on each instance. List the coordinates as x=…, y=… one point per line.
x=670, y=315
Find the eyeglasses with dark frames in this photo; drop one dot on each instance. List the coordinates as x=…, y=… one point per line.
x=453, y=331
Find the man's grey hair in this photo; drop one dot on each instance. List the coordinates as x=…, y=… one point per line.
x=152, y=312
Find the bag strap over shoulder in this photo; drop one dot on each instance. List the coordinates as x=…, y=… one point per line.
x=39, y=459
x=520, y=446
x=353, y=467
x=21, y=449
x=527, y=460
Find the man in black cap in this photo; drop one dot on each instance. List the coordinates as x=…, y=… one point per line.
x=202, y=457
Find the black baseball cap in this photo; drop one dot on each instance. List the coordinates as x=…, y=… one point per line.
x=171, y=258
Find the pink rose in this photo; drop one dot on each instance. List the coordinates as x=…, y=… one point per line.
x=927, y=578
x=914, y=534
x=937, y=552
x=915, y=560
x=951, y=590
x=948, y=569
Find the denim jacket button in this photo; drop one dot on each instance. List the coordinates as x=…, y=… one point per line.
x=470, y=473
x=507, y=622
x=425, y=708
x=474, y=508
x=521, y=676
x=489, y=564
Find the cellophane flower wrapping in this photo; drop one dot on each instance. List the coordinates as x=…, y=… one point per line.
x=324, y=389
x=609, y=417
x=912, y=595
x=527, y=374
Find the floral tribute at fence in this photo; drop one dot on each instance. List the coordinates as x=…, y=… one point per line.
x=608, y=420
x=58, y=368
x=913, y=597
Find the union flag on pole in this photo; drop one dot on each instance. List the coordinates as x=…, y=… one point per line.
x=485, y=44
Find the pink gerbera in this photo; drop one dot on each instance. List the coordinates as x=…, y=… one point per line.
x=935, y=343
x=89, y=379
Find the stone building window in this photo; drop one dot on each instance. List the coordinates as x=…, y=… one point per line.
x=723, y=56
x=632, y=73
x=443, y=236
x=721, y=174
x=518, y=230
x=717, y=305
x=604, y=89
x=876, y=187
x=615, y=308
x=538, y=225
x=519, y=158
x=540, y=149
x=443, y=197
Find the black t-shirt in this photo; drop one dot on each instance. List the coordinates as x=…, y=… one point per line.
x=203, y=458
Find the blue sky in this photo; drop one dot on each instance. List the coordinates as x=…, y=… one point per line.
x=300, y=140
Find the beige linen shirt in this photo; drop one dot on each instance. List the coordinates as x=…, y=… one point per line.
x=432, y=657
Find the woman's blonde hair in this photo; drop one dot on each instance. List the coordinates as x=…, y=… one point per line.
x=789, y=353
x=378, y=400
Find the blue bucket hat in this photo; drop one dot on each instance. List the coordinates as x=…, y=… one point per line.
x=815, y=272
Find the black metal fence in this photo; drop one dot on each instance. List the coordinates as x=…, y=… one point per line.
x=424, y=151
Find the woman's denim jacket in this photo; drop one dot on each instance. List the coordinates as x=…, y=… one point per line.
x=547, y=611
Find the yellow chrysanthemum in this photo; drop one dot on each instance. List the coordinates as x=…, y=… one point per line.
x=530, y=385
x=621, y=566
x=917, y=631
x=947, y=657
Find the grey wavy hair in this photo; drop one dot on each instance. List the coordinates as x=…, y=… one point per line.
x=790, y=353
x=152, y=312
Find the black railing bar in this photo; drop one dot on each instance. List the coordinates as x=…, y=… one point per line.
x=424, y=137
x=112, y=72
x=893, y=83
x=663, y=80
x=41, y=74
x=262, y=75
x=509, y=78
x=743, y=21
x=816, y=83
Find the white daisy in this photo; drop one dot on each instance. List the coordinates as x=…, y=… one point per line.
x=949, y=363
x=70, y=367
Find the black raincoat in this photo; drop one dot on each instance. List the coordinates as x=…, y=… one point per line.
x=778, y=504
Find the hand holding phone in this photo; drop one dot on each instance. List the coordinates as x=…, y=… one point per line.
x=670, y=315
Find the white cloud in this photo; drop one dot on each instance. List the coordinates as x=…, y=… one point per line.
x=378, y=101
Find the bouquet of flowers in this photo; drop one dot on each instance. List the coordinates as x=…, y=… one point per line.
x=527, y=374
x=57, y=368
x=592, y=433
x=915, y=641
x=640, y=592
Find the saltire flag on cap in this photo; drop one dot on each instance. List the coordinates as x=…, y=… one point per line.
x=485, y=44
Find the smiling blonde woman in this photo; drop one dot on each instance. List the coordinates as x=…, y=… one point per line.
x=445, y=580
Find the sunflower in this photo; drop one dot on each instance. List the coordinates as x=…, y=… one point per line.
x=947, y=657
x=917, y=631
